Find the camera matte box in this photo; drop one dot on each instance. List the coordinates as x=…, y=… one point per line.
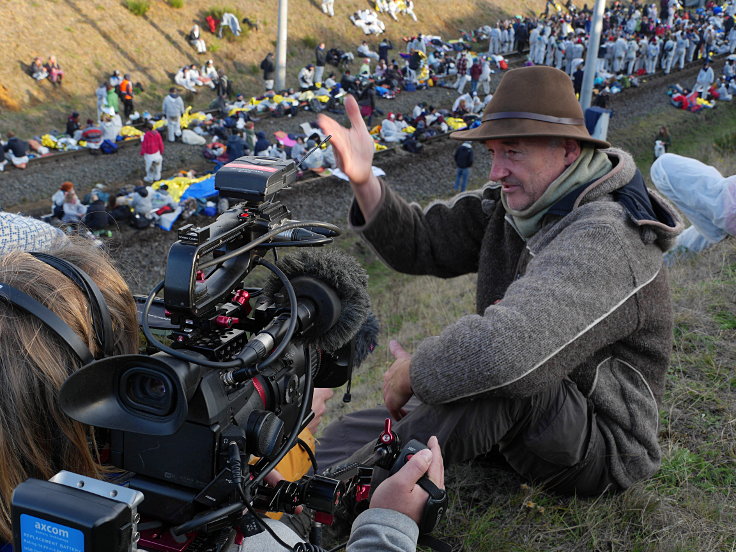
x=48, y=517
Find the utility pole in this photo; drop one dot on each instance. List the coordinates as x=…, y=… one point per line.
x=281, y=45
x=592, y=57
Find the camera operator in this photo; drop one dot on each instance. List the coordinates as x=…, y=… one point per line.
x=37, y=439
x=563, y=364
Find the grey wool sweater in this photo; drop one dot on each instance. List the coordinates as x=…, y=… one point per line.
x=586, y=298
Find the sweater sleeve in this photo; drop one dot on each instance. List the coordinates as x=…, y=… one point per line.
x=442, y=240
x=578, y=296
x=381, y=530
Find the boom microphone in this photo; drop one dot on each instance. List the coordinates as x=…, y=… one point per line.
x=343, y=275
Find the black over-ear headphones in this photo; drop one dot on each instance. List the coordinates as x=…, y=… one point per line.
x=101, y=320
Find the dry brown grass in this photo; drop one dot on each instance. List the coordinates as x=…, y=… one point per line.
x=92, y=37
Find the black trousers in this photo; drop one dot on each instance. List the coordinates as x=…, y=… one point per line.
x=127, y=108
x=551, y=438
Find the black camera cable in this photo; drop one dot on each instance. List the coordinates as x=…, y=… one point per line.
x=237, y=363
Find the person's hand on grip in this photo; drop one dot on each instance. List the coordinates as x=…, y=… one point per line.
x=400, y=491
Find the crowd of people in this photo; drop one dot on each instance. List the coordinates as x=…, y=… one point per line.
x=568, y=247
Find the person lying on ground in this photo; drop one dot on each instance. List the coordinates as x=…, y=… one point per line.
x=16, y=151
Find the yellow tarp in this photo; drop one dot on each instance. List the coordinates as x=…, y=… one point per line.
x=48, y=141
x=179, y=184
x=128, y=131
x=455, y=123
x=188, y=117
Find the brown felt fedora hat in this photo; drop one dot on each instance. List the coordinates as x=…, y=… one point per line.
x=532, y=101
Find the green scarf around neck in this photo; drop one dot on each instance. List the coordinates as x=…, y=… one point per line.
x=589, y=166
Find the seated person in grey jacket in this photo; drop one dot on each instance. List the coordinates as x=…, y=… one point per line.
x=562, y=366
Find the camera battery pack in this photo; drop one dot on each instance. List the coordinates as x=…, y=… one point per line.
x=254, y=179
x=52, y=517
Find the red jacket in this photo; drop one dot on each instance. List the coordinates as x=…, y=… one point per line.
x=475, y=71
x=152, y=143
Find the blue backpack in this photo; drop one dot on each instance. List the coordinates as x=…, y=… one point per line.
x=108, y=147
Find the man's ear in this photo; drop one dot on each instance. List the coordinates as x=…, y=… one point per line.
x=572, y=150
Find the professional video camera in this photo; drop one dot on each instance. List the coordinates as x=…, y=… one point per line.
x=234, y=383
x=196, y=427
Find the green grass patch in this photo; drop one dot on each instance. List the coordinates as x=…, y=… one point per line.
x=310, y=41
x=726, y=320
x=138, y=7
x=175, y=3
x=683, y=467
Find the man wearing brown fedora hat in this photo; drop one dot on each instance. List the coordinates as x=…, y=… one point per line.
x=562, y=366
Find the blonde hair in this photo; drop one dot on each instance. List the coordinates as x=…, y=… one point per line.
x=36, y=438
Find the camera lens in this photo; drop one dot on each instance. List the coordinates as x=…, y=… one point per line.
x=148, y=391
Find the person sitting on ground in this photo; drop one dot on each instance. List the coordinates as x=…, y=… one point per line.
x=298, y=149
x=195, y=78
x=183, y=79
x=57, y=200
x=16, y=151
x=724, y=94
x=91, y=135
x=306, y=77
x=74, y=210
x=119, y=206
x=141, y=200
x=364, y=50
x=96, y=218
x=391, y=130
x=195, y=39
x=262, y=144
x=38, y=70
x=161, y=197
x=73, y=128
x=240, y=102
x=314, y=160
x=235, y=145
x=347, y=81
x=278, y=150
x=562, y=365
x=111, y=125
x=54, y=71
x=365, y=68
x=98, y=191
x=330, y=81
x=208, y=75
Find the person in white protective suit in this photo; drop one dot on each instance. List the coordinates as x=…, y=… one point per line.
x=703, y=194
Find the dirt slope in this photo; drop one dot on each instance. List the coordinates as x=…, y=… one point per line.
x=92, y=37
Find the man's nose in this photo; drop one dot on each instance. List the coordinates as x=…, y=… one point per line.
x=499, y=170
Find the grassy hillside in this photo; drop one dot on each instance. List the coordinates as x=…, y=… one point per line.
x=91, y=38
